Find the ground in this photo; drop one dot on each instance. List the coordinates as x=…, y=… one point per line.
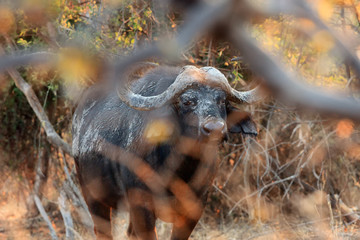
x=16, y=224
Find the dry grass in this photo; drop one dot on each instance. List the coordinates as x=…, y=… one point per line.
x=298, y=180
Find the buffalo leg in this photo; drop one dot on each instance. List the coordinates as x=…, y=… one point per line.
x=142, y=216
x=101, y=217
x=182, y=228
x=142, y=223
x=130, y=231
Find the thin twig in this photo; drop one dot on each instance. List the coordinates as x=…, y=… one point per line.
x=45, y=217
x=65, y=213
x=76, y=196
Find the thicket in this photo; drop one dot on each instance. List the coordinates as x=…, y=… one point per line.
x=300, y=176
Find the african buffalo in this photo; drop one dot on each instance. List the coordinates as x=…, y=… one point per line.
x=152, y=148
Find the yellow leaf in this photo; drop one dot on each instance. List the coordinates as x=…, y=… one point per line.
x=159, y=131
x=74, y=66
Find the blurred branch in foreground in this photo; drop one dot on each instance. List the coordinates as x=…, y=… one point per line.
x=206, y=18
x=203, y=19
x=21, y=59
x=286, y=86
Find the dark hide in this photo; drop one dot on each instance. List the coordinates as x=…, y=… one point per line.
x=157, y=164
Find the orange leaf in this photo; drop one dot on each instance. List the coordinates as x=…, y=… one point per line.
x=232, y=162
x=6, y=20
x=325, y=9
x=344, y=128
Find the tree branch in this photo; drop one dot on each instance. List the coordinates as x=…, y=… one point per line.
x=45, y=217
x=51, y=134
x=19, y=59
x=65, y=213
x=287, y=85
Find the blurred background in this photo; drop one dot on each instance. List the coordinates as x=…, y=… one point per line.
x=299, y=179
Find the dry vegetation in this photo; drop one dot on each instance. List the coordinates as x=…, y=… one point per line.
x=299, y=179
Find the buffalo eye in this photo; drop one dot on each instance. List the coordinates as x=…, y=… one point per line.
x=189, y=102
x=221, y=101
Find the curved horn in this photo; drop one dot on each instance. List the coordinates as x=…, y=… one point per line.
x=234, y=95
x=188, y=77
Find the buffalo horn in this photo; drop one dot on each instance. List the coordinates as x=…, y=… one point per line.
x=188, y=77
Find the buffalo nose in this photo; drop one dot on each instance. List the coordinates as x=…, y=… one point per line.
x=213, y=127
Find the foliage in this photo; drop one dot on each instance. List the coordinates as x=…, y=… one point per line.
x=315, y=154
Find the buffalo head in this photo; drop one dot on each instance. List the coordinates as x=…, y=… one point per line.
x=201, y=98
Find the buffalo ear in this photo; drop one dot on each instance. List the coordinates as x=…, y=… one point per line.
x=240, y=122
